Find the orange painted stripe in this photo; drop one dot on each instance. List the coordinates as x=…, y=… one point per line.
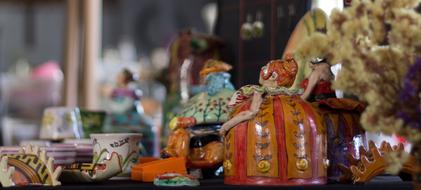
x=278, y=115
x=313, y=127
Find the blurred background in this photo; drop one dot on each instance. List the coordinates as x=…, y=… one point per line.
x=70, y=52
x=38, y=38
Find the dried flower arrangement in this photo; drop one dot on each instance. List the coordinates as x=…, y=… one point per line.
x=376, y=41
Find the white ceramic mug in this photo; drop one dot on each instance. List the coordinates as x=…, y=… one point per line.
x=61, y=123
x=126, y=145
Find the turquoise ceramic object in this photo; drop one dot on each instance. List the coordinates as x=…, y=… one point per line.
x=175, y=180
x=211, y=106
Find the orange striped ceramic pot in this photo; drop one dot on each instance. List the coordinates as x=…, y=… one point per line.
x=285, y=144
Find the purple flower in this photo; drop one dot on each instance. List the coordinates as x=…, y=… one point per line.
x=409, y=98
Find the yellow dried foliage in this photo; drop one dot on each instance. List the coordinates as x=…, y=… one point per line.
x=376, y=42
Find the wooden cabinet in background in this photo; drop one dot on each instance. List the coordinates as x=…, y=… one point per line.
x=279, y=18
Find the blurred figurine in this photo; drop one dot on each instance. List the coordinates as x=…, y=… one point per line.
x=126, y=112
x=199, y=47
x=124, y=98
x=274, y=79
x=179, y=140
x=188, y=53
x=341, y=115
x=201, y=118
x=318, y=85
x=210, y=106
x=153, y=97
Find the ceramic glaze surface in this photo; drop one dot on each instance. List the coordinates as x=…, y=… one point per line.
x=215, y=82
x=210, y=106
x=341, y=116
x=274, y=137
x=125, y=145
x=91, y=172
x=345, y=136
x=285, y=144
x=195, y=130
x=28, y=169
x=209, y=109
x=175, y=180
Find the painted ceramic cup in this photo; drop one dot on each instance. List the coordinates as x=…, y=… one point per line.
x=61, y=123
x=126, y=145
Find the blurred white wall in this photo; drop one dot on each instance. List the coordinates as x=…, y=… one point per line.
x=327, y=5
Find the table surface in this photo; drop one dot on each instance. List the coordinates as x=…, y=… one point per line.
x=381, y=182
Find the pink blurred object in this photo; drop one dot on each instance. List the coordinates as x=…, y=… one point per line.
x=401, y=139
x=49, y=70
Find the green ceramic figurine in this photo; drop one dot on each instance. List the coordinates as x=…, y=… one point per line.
x=195, y=132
